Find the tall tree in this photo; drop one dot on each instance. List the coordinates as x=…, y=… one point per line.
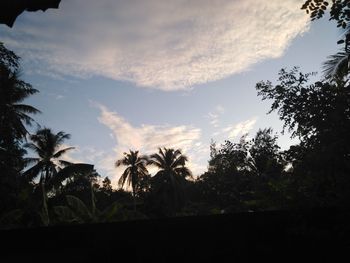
x=47, y=146
x=135, y=170
x=228, y=182
x=14, y=115
x=107, y=185
x=319, y=115
x=171, y=176
x=270, y=181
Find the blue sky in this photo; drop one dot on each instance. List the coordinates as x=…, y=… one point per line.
x=121, y=75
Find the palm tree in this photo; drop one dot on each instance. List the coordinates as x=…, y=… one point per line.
x=136, y=169
x=171, y=175
x=14, y=115
x=46, y=145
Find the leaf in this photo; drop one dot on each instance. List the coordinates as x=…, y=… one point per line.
x=65, y=214
x=110, y=212
x=79, y=208
x=68, y=172
x=341, y=41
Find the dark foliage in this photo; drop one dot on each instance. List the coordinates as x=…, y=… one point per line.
x=319, y=115
x=14, y=115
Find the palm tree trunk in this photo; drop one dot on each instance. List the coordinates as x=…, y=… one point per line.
x=134, y=198
x=45, y=212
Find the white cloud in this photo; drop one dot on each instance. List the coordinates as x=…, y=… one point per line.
x=240, y=128
x=160, y=44
x=147, y=139
x=215, y=115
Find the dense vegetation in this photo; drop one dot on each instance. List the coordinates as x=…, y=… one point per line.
x=248, y=175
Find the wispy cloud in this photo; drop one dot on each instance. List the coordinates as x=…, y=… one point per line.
x=233, y=131
x=215, y=115
x=241, y=128
x=160, y=44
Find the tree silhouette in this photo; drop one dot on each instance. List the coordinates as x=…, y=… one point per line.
x=319, y=115
x=46, y=145
x=107, y=185
x=228, y=183
x=136, y=169
x=14, y=115
x=169, y=180
x=339, y=10
x=270, y=181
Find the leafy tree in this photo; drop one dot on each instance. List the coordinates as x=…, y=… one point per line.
x=80, y=181
x=339, y=10
x=168, y=182
x=265, y=153
x=107, y=185
x=243, y=176
x=136, y=169
x=14, y=115
x=319, y=115
x=271, y=183
x=227, y=184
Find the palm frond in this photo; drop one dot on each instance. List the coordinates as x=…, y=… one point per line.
x=63, y=151
x=124, y=176
x=157, y=160
x=30, y=160
x=65, y=163
x=69, y=171
x=61, y=136
x=180, y=161
x=184, y=172
x=34, y=171
x=26, y=108
x=337, y=65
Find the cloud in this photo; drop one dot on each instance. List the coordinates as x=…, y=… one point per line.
x=240, y=128
x=148, y=138
x=166, y=45
x=231, y=132
x=215, y=115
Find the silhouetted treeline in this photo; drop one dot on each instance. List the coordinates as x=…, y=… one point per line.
x=245, y=176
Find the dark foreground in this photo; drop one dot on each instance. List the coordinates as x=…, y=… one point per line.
x=282, y=236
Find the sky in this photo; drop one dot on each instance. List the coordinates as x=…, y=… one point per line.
x=120, y=75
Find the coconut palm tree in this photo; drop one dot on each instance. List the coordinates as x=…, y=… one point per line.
x=136, y=169
x=170, y=163
x=171, y=175
x=14, y=115
x=47, y=146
